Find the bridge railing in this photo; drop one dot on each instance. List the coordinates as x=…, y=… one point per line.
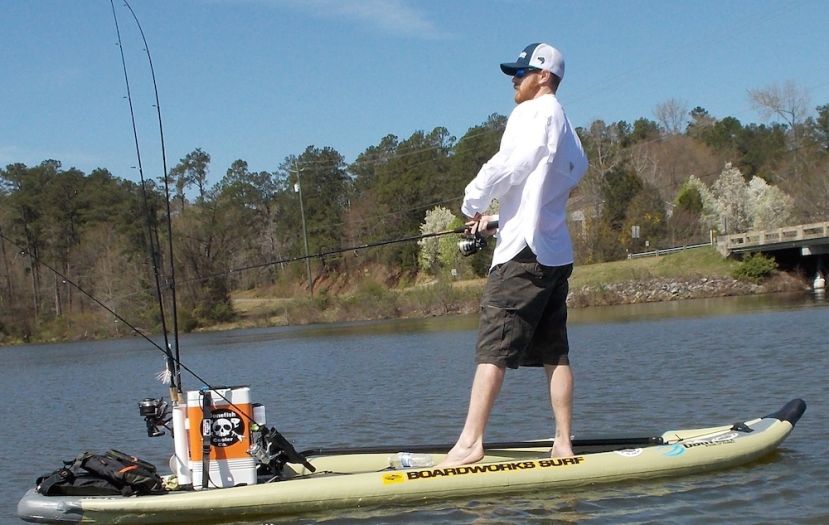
x=666, y=251
x=741, y=241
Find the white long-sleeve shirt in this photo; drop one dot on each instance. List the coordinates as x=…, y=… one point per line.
x=540, y=160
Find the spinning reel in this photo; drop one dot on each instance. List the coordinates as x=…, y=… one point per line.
x=156, y=414
x=471, y=244
x=271, y=450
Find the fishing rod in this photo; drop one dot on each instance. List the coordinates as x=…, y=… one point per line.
x=152, y=232
x=469, y=245
x=155, y=411
x=166, y=179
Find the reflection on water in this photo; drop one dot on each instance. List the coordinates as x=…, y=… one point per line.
x=639, y=369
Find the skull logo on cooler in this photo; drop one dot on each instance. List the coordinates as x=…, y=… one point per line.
x=227, y=428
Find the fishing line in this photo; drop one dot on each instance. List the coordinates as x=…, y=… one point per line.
x=135, y=329
x=67, y=280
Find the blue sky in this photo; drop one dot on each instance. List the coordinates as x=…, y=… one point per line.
x=263, y=79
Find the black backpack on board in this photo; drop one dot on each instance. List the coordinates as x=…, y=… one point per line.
x=111, y=474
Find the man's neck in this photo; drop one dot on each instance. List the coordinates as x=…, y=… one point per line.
x=546, y=90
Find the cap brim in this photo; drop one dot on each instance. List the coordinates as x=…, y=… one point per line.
x=509, y=68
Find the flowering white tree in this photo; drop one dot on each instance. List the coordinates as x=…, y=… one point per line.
x=437, y=219
x=731, y=193
x=734, y=205
x=769, y=206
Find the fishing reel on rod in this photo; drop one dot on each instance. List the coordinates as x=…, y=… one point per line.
x=272, y=451
x=471, y=244
x=156, y=415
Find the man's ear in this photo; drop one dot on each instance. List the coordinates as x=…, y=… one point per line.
x=549, y=79
x=544, y=77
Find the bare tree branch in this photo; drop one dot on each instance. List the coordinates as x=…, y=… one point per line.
x=671, y=115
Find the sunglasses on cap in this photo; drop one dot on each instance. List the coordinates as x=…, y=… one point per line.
x=524, y=71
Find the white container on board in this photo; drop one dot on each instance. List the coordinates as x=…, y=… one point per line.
x=408, y=460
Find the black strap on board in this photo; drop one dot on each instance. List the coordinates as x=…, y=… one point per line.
x=206, y=434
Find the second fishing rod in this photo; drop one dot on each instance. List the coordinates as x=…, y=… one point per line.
x=469, y=244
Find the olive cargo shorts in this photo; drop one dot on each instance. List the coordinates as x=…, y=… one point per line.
x=524, y=314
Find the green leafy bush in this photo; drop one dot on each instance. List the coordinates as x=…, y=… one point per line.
x=755, y=268
x=371, y=300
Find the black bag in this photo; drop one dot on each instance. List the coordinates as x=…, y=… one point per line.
x=113, y=473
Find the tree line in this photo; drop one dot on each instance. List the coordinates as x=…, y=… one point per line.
x=657, y=182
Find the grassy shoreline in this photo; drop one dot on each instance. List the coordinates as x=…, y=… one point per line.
x=693, y=273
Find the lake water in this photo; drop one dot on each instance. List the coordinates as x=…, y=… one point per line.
x=640, y=369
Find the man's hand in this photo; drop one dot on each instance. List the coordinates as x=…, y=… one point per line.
x=480, y=224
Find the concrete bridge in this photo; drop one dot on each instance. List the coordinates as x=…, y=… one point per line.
x=809, y=239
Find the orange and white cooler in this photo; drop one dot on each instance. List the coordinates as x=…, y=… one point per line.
x=231, y=414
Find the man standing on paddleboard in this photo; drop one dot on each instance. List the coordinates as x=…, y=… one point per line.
x=523, y=309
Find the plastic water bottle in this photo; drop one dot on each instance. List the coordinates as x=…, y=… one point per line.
x=409, y=460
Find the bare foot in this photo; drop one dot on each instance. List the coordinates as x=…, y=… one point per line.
x=563, y=450
x=460, y=455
